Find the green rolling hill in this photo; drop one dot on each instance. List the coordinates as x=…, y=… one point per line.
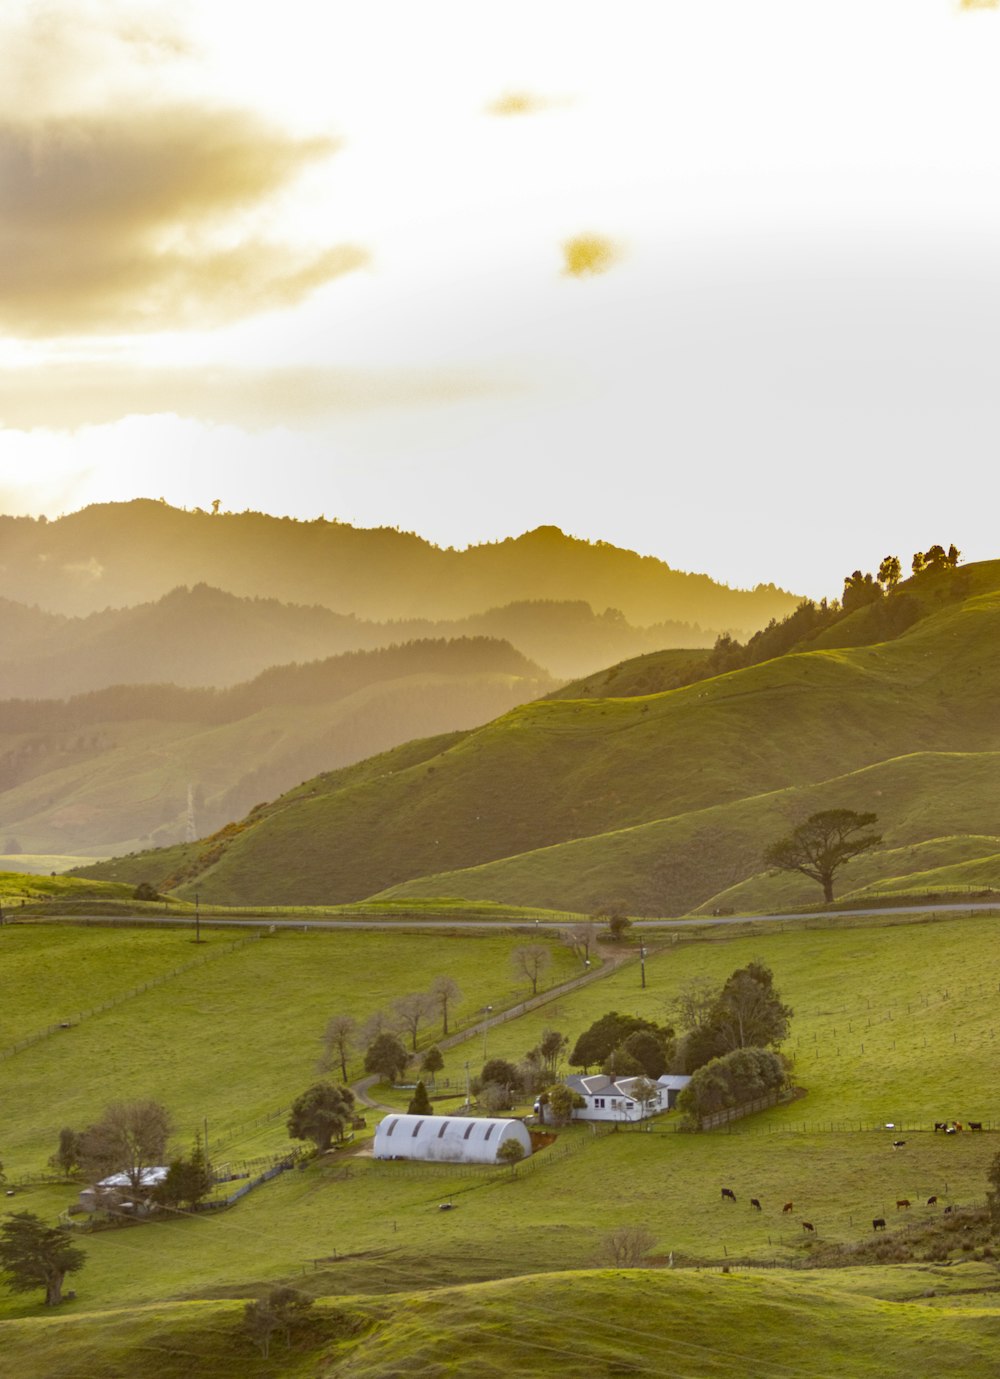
x=663, y=802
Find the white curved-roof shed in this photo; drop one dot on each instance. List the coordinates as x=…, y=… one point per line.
x=447, y=1139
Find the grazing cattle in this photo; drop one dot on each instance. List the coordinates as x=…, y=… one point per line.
x=932, y=1201
x=940, y=1125
x=728, y=1194
x=808, y=1226
x=975, y=1125
x=788, y=1206
x=878, y=1223
x=948, y=1211
x=754, y=1203
x=956, y=1125
x=902, y=1202
x=898, y=1144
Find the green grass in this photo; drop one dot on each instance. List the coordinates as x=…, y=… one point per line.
x=664, y=801
x=231, y=1040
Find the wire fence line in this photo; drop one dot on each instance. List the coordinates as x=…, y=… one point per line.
x=76, y=1017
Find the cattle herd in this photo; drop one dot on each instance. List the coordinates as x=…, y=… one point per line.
x=902, y=1203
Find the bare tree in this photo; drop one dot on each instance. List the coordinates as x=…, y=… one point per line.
x=411, y=1011
x=693, y=1003
x=131, y=1138
x=531, y=960
x=552, y=1048
x=581, y=938
x=626, y=1247
x=443, y=993
x=338, y=1041
x=379, y=1022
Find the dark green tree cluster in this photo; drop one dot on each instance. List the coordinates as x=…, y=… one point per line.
x=386, y=1057
x=188, y=1180
x=746, y=1012
x=625, y=1046
x=34, y=1255
x=322, y=1113
x=732, y=1080
x=937, y=558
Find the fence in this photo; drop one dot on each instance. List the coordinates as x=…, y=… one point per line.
x=121, y=999
x=731, y=1113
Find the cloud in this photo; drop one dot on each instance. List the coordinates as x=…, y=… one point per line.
x=588, y=255
x=139, y=221
x=520, y=103
x=60, y=397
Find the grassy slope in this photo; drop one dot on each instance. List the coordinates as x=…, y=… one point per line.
x=550, y=772
x=219, y=1042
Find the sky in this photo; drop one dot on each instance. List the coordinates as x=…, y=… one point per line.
x=717, y=281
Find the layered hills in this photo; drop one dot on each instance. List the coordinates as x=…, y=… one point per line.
x=661, y=802
x=121, y=554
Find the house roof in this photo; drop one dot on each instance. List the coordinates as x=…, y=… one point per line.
x=148, y=1177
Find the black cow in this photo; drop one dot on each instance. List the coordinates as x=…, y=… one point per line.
x=902, y=1202
x=728, y=1194
x=898, y=1144
x=878, y=1223
x=932, y=1201
x=975, y=1125
x=808, y=1226
x=940, y=1125
x=754, y=1203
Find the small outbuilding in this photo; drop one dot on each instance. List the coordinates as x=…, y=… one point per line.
x=447, y=1139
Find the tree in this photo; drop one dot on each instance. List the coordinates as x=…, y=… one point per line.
x=645, y=1092
x=130, y=1138
x=651, y=1052
x=320, y=1113
x=34, y=1255
x=144, y=891
x=511, y=1152
x=626, y=1247
x=620, y=1064
x=338, y=1041
x=187, y=1181
x=411, y=1011
x=432, y=1061
x=748, y=1012
x=531, y=960
x=860, y=590
x=387, y=1057
x=993, y=1192
x=823, y=844
x=731, y=1080
x=552, y=1047
x=618, y=925
x=581, y=938
x=420, y=1102
x=890, y=572
x=444, y=993
x=562, y=1101
x=610, y=1032
x=67, y=1157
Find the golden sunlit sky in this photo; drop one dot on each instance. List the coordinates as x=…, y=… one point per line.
x=716, y=281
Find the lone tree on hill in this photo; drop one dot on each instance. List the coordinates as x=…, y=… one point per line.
x=320, y=1113
x=411, y=1011
x=432, y=1061
x=420, y=1102
x=823, y=844
x=34, y=1255
x=444, y=992
x=531, y=960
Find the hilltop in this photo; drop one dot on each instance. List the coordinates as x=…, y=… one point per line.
x=661, y=802
x=120, y=554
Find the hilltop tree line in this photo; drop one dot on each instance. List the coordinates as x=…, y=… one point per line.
x=897, y=611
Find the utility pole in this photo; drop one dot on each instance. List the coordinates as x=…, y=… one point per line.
x=197, y=920
x=642, y=963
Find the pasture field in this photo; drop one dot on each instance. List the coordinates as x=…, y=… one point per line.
x=239, y=1036
x=230, y=1040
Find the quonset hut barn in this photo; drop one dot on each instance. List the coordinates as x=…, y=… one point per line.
x=447, y=1139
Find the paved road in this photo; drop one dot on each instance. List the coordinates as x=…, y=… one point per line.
x=266, y=921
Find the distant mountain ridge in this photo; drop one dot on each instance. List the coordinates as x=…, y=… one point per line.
x=120, y=554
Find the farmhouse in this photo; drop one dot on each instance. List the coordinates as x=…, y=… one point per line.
x=607, y=1098
x=447, y=1139
x=117, y=1192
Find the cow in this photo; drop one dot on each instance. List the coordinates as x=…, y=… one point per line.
x=878, y=1223
x=902, y=1202
x=755, y=1204
x=808, y=1226
x=932, y=1201
x=975, y=1125
x=728, y=1194
x=948, y=1211
x=898, y=1144
x=788, y=1206
x=940, y=1125
x=957, y=1124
